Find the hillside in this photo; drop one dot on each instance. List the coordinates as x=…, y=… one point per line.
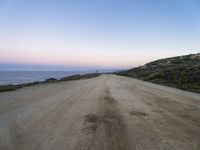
x=181, y=72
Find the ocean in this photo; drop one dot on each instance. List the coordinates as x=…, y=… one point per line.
x=18, y=77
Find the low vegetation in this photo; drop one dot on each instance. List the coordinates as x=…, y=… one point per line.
x=11, y=87
x=181, y=72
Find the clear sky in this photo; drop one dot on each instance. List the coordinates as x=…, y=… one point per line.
x=74, y=34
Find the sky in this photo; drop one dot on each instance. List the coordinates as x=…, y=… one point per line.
x=95, y=34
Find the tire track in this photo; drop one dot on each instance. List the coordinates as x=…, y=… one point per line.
x=106, y=128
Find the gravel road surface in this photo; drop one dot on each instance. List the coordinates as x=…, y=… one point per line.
x=108, y=112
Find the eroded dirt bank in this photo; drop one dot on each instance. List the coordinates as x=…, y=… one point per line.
x=104, y=113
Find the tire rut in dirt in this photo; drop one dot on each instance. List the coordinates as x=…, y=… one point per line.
x=106, y=128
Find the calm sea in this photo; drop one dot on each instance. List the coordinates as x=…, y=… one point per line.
x=17, y=77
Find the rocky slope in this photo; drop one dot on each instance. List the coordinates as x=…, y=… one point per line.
x=181, y=72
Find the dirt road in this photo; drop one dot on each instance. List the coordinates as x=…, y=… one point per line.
x=104, y=113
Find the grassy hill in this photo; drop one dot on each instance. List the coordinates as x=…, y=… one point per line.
x=181, y=72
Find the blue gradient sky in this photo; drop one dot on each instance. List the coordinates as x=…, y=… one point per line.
x=45, y=34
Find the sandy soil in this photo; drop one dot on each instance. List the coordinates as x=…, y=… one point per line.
x=104, y=113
